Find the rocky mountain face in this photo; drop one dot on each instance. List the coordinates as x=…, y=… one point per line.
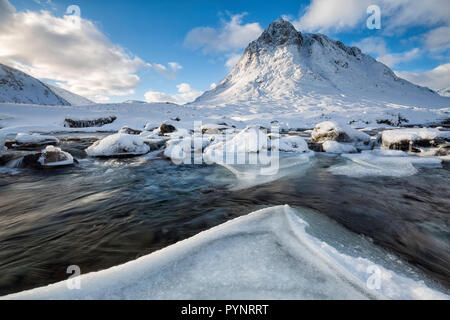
x=19, y=87
x=284, y=66
x=445, y=92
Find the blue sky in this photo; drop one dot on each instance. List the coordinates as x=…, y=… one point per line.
x=158, y=33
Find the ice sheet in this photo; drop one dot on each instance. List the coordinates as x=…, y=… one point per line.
x=269, y=254
x=381, y=163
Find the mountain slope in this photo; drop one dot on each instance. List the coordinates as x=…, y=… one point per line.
x=19, y=87
x=286, y=67
x=70, y=97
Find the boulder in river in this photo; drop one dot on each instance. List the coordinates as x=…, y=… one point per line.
x=411, y=139
x=118, y=145
x=86, y=123
x=52, y=157
x=25, y=140
x=128, y=130
x=166, y=127
x=330, y=130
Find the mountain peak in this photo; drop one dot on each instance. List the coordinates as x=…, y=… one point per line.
x=280, y=32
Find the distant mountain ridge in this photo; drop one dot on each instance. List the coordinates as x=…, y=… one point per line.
x=19, y=87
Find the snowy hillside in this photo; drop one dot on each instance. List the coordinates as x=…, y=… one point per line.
x=284, y=67
x=445, y=92
x=18, y=87
x=70, y=97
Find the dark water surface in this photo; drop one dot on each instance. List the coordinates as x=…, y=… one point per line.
x=102, y=213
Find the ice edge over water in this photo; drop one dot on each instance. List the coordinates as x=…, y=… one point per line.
x=267, y=254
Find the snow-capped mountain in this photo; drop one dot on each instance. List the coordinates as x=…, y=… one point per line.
x=287, y=67
x=19, y=87
x=445, y=92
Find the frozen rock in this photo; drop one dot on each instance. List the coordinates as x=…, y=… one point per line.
x=128, y=130
x=86, y=123
x=331, y=146
x=150, y=126
x=330, y=130
x=54, y=157
x=118, y=145
x=250, y=140
x=289, y=144
x=410, y=139
x=35, y=139
x=213, y=128
x=166, y=127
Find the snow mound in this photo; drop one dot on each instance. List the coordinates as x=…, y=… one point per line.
x=34, y=139
x=370, y=163
x=119, y=144
x=330, y=130
x=249, y=140
x=337, y=147
x=268, y=254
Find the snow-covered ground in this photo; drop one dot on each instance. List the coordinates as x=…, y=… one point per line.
x=269, y=254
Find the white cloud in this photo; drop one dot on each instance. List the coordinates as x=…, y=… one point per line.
x=376, y=46
x=169, y=72
x=232, y=60
x=438, y=78
x=77, y=55
x=232, y=35
x=393, y=59
x=438, y=38
x=338, y=15
x=185, y=94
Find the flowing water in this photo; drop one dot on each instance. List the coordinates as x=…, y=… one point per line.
x=104, y=212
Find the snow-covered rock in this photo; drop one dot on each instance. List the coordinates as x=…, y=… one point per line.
x=331, y=146
x=150, y=126
x=128, y=130
x=35, y=139
x=117, y=145
x=166, y=127
x=54, y=157
x=213, y=128
x=249, y=140
x=289, y=144
x=87, y=123
x=330, y=130
x=406, y=139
